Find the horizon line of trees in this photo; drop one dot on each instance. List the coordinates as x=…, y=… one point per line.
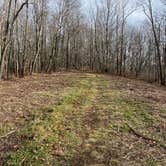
x=45, y=36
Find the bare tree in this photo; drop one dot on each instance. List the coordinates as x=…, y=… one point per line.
x=148, y=10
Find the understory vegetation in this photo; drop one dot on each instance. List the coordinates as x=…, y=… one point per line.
x=94, y=122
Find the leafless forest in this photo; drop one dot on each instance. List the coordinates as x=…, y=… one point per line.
x=82, y=83
x=48, y=36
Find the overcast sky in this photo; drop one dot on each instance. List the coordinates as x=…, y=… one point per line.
x=137, y=17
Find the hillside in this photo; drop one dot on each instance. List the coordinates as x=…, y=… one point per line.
x=82, y=119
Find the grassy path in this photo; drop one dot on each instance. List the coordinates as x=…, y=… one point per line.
x=89, y=125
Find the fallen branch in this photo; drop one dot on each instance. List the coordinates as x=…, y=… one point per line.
x=8, y=134
x=145, y=137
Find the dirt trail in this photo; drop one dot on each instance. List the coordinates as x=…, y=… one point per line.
x=82, y=119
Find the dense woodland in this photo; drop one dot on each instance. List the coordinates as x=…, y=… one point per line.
x=75, y=107
x=48, y=36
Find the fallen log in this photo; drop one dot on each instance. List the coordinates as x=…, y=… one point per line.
x=155, y=141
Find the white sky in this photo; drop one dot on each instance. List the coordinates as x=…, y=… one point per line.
x=137, y=17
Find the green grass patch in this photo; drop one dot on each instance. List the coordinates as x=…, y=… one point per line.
x=5, y=128
x=87, y=118
x=57, y=126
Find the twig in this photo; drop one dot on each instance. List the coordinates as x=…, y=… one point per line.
x=22, y=162
x=8, y=134
x=145, y=137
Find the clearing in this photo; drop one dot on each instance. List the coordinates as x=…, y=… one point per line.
x=82, y=119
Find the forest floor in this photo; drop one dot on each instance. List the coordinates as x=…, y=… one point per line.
x=81, y=119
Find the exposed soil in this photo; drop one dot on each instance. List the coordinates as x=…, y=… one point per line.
x=94, y=108
x=20, y=95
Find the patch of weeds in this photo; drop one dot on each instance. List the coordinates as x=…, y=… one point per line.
x=31, y=153
x=50, y=127
x=5, y=128
x=70, y=142
x=135, y=112
x=119, y=127
x=99, y=135
x=147, y=118
x=75, y=96
x=120, y=100
x=128, y=115
x=88, y=117
x=125, y=111
x=151, y=162
x=33, y=150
